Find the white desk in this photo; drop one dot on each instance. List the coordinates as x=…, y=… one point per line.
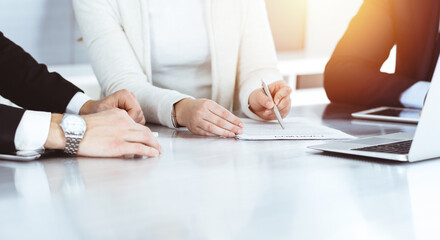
x=212, y=188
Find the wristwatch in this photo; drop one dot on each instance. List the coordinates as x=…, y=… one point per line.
x=74, y=128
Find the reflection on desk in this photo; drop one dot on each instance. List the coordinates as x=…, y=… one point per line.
x=215, y=188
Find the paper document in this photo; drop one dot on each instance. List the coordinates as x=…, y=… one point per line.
x=296, y=129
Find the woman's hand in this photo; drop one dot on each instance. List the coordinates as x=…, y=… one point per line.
x=207, y=118
x=122, y=99
x=262, y=106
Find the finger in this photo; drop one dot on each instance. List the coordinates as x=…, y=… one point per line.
x=139, y=149
x=127, y=100
x=282, y=93
x=222, y=123
x=285, y=111
x=225, y=114
x=142, y=136
x=202, y=132
x=137, y=119
x=135, y=113
x=141, y=119
x=212, y=128
x=264, y=101
x=265, y=114
x=268, y=115
x=285, y=103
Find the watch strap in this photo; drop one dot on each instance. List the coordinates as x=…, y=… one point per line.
x=72, y=145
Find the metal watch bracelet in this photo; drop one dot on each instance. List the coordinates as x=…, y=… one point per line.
x=72, y=145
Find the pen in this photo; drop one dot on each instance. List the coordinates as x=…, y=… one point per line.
x=275, y=108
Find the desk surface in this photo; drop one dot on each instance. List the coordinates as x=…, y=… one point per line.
x=211, y=188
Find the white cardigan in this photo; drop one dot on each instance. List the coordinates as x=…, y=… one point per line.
x=117, y=36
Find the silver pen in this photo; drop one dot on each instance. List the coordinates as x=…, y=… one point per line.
x=275, y=108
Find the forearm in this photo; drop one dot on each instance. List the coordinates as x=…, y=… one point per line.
x=29, y=84
x=360, y=82
x=156, y=103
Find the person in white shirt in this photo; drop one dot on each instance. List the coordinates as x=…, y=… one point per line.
x=111, y=127
x=175, y=55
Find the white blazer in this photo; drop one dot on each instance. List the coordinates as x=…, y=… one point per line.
x=117, y=36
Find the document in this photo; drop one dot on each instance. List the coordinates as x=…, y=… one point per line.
x=296, y=129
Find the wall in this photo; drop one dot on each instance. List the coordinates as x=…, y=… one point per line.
x=45, y=28
x=327, y=21
x=288, y=22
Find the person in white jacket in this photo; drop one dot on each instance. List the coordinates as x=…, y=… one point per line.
x=176, y=54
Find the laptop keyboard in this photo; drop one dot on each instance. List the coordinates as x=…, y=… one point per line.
x=394, y=148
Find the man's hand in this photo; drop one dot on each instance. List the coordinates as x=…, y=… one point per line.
x=122, y=99
x=111, y=133
x=207, y=118
x=262, y=106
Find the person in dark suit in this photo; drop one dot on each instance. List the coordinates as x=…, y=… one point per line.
x=353, y=73
x=110, y=127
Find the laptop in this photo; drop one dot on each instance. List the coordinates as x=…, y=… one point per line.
x=405, y=147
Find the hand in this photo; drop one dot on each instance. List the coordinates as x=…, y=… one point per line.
x=207, y=118
x=262, y=106
x=110, y=133
x=122, y=99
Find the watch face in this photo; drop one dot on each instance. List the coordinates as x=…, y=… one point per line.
x=73, y=124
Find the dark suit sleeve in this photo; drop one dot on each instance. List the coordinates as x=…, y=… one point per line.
x=353, y=73
x=9, y=119
x=29, y=84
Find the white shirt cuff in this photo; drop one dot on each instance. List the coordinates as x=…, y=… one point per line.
x=77, y=103
x=32, y=131
x=414, y=97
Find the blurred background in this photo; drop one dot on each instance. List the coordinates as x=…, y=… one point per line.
x=305, y=32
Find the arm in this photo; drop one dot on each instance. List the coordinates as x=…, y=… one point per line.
x=258, y=61
x=29, y=84
x=116, y=64
x=30, y=129
x=9, y=119
x=111, y=133
x=353, y=73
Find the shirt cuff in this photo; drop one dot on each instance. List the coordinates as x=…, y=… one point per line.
x=414, y=97
x=77, y=103
x=32, y=131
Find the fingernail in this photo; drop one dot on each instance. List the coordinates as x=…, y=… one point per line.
x=268, y=104
x=267, y=112
x=155, y=153
x=240, y=132
x=241, y=125
x=231, y=135
x=277, y=101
